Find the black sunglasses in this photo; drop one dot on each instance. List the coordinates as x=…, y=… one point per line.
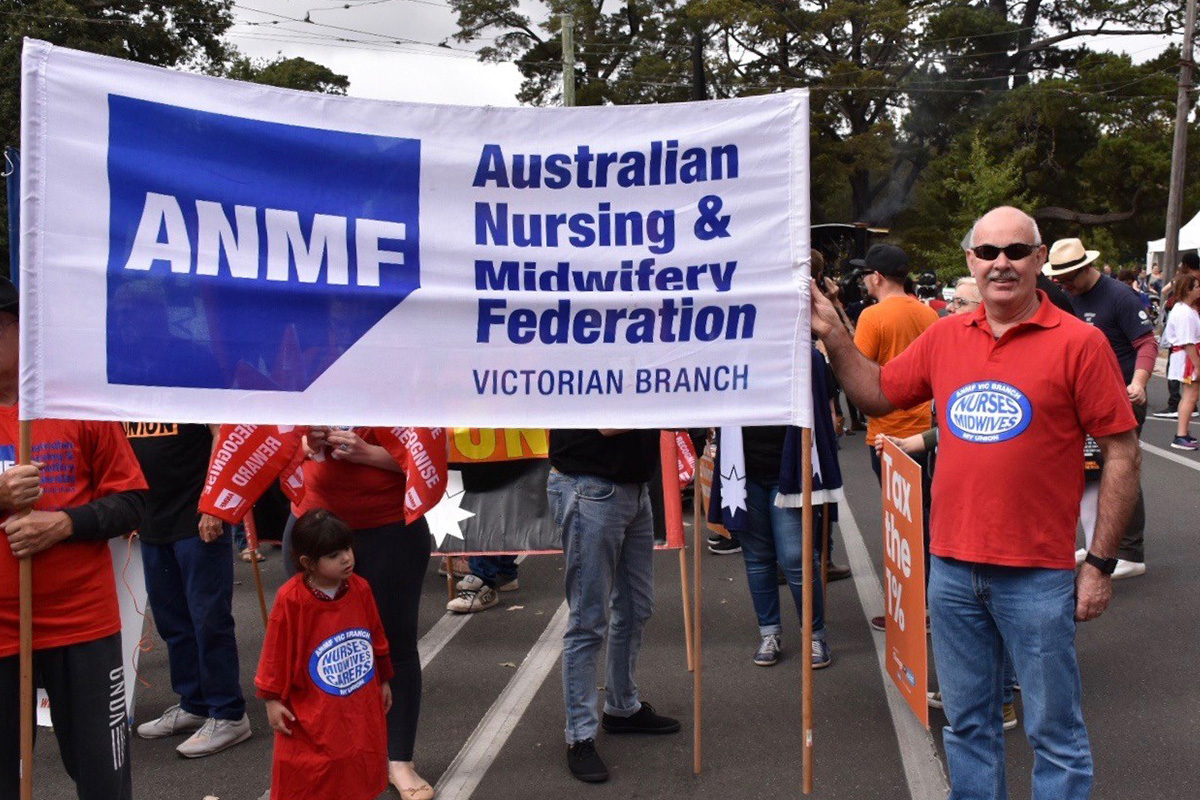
x=1013, y=252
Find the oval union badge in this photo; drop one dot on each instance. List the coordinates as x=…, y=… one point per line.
x=343, y=663
x=986, y=412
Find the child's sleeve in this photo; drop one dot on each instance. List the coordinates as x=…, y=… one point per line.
x=383, y=653
x=275, y=663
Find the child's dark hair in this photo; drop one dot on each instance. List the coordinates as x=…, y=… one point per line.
x=318, y=533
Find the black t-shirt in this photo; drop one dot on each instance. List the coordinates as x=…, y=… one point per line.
x=1117, y=311
x=630, y=457
x=174, y=459
x=762, y=446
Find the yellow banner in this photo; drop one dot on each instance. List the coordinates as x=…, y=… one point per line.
x=476, y=445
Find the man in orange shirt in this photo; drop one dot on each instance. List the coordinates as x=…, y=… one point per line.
x=885, y=330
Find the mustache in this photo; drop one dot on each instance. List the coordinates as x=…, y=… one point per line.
x=1001, y=274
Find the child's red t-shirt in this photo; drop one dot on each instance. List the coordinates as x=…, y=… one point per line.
x=325, y=660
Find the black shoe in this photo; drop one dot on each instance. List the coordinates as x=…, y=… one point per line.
x=585, y=763
x=725, y=547
x=836, y=572
x=713, y=538
x=644, y=721
x=1166, y=413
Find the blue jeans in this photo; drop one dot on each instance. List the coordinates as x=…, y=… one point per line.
x=190, y=586
x=493, y=570
x=608, y=539
x=774, y=537
x=979, y=610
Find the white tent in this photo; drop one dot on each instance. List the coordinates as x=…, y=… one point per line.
x=1189, y=239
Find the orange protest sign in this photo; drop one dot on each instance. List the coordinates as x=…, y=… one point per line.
x=475, y=445
x=904, y=578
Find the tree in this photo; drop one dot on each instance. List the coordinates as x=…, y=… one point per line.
x=289, y=73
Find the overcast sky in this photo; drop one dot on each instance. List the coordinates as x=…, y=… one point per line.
x=389, y=49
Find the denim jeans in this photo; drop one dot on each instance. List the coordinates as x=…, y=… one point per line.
x=493, y=570
x=774, y=537
x=608, y=539
x=978, y=610
x=190, y=587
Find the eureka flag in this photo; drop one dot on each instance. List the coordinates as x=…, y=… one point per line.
x=203, y=250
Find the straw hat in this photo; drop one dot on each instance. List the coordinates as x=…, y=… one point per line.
x=1068, y=255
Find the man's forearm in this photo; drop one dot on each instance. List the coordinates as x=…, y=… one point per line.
x=858, y=375
x=1119, y=481
x=107, y=517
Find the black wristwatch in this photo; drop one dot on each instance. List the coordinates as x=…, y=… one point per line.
x=1105, y=565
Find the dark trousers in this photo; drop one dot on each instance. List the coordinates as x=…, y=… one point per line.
x=1173, y=395
x=1133, y=544
x=86, y=685
x=190, y=586
x=393, y=559
x=493, y=570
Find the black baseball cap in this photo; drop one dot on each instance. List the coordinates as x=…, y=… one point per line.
x=886, y=259
x=9, y=299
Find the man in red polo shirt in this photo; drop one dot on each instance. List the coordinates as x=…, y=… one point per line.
x=1016, y=385
x=85, y=488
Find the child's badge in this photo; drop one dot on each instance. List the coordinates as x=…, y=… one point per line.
x=343, y=663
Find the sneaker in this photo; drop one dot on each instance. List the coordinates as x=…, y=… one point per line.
x=473, y=583
x=585, y=763
x=715, y=538
x=1010, y=716
x=768, y=651
x=1080, y=556
x=646, y=720
x=725, y=547
x=468, y=601
x=1179, y=443
x=214, y=736
x=836, y=572
x=935, y=700
x=1167, y=413
x=458, y=564
x=1128, y=569
x=173, y=721
x=821, y=657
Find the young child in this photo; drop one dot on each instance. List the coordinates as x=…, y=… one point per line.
x=324, y=672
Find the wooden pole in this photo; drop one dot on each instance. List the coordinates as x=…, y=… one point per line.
x=25, y=633
x=1183, y=108
x=252, y=540
x=449, y=562
x=685, y=588
x=696, y=651
x=806, y=671
x=568, y=57
x=825, y=547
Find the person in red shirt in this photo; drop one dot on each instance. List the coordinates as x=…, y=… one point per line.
x=1017, y=386
x=350, y=473
x=85, y=487
x=324, y=672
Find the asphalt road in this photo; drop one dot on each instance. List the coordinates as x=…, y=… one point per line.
x=492, y=716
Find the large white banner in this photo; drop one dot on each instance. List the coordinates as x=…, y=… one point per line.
x=202, y=250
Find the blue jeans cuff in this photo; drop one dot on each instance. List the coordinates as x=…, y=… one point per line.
x=622, y=712
x=769, y=630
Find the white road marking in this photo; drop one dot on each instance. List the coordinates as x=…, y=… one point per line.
x=463, y=775
x=1167, y=454
x=923, y=769
x=442, y=632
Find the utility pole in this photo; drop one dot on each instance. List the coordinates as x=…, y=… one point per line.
x=1179, y=148
x=699, y=84
x=568, y=48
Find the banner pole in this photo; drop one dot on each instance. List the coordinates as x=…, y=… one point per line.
x=685, y=580
x=806, y=670
x=25, y=579
x=449, y=563
x=696, y=652
x=252, y=540
x=825, y=546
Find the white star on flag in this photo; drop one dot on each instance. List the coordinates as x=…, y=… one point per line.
x=733, y=490
x=444, y=518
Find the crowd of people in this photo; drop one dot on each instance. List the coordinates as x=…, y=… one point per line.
x=1038, y=357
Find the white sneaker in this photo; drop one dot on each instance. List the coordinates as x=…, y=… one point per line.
x=1080, y=556
x=468, y=602
x=473, y=583
x=1128, y=569
x=173, y=721
x=214, y=736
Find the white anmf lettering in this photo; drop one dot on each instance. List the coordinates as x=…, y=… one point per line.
x=163, y=235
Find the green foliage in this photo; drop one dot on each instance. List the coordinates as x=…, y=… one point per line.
x=289, y=73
